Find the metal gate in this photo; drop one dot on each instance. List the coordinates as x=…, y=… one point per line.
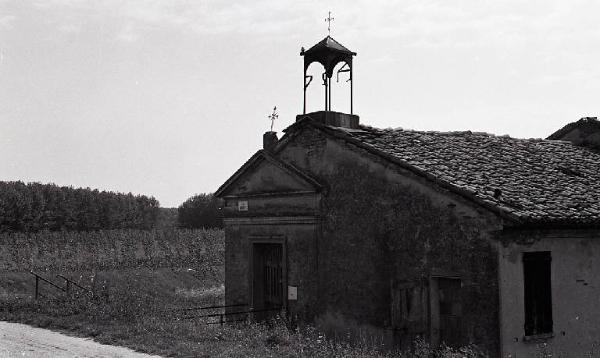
x=273, y=275
x=268, y=282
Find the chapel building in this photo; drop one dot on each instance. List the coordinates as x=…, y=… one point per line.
x=455, y=237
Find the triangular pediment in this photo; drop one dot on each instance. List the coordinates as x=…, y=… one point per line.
x=265, y=174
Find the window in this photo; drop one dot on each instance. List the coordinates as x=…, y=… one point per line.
x=538, y=293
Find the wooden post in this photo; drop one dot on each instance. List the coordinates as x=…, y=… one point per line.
x=37, y=286
x=351, y=94
x=434, y=312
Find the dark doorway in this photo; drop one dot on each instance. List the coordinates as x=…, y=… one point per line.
x=446, y=311
x=450, y=311
x=268, y=278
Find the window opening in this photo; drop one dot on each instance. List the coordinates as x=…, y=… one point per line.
x=538, y=292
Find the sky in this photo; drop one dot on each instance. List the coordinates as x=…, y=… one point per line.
x=169, y=98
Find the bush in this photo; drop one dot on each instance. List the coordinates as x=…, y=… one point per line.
x=200, y=211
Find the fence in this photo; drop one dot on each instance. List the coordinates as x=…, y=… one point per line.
x=67, y=289
x=235, y=316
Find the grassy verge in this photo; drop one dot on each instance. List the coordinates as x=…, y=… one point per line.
x=148, y=324
x=172, y=337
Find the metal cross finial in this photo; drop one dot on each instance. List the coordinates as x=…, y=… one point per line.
x=328, y=20
x=273, y=117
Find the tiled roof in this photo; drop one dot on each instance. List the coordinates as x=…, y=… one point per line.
x=533, y=181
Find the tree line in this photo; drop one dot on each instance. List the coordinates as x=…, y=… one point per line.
x=33, y=207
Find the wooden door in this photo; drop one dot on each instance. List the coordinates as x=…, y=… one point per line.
x=409, y=312
x=450, y=311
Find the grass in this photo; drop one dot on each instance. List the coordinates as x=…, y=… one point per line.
x=137, y=308
x=155, y=324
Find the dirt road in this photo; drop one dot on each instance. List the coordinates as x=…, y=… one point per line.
x=19, y=340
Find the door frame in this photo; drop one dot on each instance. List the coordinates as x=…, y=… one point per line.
x=267, y=239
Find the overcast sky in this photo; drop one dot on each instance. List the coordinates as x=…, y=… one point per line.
x=169, y=97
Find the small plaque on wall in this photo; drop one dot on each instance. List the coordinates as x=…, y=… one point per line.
x=242, y=205
x=292, y=293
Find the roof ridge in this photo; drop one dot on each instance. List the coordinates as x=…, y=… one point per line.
x=456, y=132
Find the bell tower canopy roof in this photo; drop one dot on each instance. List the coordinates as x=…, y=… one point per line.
x=329, y=53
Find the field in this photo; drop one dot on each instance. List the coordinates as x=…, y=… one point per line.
x=148, y=308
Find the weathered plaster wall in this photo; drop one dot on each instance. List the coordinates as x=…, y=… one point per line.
x=377, y=233
x=280, y=207
x=575, y=279
x=305, y=204
x=299, y=239
x=383, y=224
x=272, y=179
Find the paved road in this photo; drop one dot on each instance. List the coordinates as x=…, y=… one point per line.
x=19, y=340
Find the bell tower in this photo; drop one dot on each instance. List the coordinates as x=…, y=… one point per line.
x=328, y=52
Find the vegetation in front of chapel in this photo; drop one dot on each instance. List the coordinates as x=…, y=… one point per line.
x=146, y=308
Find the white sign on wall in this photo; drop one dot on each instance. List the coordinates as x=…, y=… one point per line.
x=242, y=205
x=292, y=293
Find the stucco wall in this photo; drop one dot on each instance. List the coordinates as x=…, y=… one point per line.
x=298, y=237
x=575, y=278
x=383, y=224
x=378, y=233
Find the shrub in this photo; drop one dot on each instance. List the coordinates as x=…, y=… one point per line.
x=200, y=211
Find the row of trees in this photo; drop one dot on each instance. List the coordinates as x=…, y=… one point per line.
x=34, y=206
